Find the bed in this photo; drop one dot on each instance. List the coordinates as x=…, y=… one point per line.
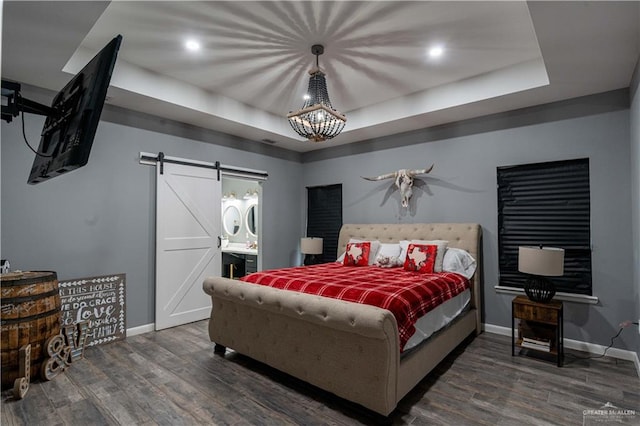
x=349, y=349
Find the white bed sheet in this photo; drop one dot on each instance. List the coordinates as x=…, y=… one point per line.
x=437, y=318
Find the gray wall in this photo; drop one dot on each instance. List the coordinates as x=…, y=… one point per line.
x=100, y=219
x=462, y=188
x=635, y=188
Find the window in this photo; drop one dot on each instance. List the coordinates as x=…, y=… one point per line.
x=546, y=204
x=324, y=218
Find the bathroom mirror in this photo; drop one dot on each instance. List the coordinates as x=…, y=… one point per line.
x=232, y=220
x=251, y=219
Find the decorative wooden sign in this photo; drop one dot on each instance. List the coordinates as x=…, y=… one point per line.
x=99, y=301
x=63, y=349
x=21, y=384
x=59, y=357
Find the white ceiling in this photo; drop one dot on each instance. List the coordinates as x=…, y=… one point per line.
x=252, y=67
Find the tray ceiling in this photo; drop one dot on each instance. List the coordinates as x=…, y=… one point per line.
x=251, y=68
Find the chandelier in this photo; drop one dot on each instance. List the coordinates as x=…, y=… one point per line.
x=317, y=120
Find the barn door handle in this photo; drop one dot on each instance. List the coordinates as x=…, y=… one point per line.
x=219, y=241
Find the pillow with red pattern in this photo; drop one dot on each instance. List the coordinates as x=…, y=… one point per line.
x=442, y=248
x=375, y=247
x=420, y=258
x=357, y=254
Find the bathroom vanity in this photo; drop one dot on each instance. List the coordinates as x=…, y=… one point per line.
x=238, y=260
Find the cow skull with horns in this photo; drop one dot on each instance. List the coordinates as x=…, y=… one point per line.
x=404, y=181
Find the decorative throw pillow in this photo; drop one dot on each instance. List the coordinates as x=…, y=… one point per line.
x=388, y=255
x=420, y=258
x=357, y=254
x=442, y=248
x=387, y=261
x=375, y=246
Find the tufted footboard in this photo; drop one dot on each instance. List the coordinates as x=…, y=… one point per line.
x=348, y=349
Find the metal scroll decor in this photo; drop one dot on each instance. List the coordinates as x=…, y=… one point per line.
x=100, y=302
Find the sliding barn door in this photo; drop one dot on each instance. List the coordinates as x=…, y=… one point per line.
x=188, y=225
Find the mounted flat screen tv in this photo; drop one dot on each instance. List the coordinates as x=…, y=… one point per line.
x=68, y=132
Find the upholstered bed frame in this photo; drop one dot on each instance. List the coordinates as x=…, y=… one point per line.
x=348, y=349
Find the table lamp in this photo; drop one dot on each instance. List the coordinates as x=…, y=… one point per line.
x=311, y=247
x=540, y=262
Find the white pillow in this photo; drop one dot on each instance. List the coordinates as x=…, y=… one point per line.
x=389, y=249
x=442, y=247
x=459, y=261
x=373, y=253
x=404, y=246
x=388, y=255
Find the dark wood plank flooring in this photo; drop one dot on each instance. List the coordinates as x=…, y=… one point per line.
x=172, y=377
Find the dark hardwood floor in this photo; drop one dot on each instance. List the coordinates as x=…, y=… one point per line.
x=172, y=377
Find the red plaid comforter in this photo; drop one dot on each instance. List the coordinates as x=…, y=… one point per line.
x=408, y=295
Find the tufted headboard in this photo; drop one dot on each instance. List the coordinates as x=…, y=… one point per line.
x=467, y=236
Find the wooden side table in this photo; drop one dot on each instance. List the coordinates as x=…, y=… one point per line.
x=540, y=328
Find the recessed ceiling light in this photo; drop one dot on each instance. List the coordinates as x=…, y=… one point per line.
x=192, y=45
x=436, y=51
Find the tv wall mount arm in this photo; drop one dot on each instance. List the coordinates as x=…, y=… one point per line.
x=15, y=103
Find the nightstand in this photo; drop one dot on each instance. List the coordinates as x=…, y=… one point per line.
x=540, y=329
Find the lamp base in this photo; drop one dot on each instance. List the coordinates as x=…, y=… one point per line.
x=311, y=259
x=539, y=289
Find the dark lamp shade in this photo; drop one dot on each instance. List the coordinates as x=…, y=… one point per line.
x=311, y=245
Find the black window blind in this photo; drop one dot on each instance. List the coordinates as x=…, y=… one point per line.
x=324, y=217
x=546, y=204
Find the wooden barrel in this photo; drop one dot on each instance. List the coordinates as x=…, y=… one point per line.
x=30, y=314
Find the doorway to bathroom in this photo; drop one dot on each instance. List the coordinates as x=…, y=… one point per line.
x=241, y=230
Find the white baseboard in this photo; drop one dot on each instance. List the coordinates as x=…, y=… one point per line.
x=134, y=331
x=577, y=345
